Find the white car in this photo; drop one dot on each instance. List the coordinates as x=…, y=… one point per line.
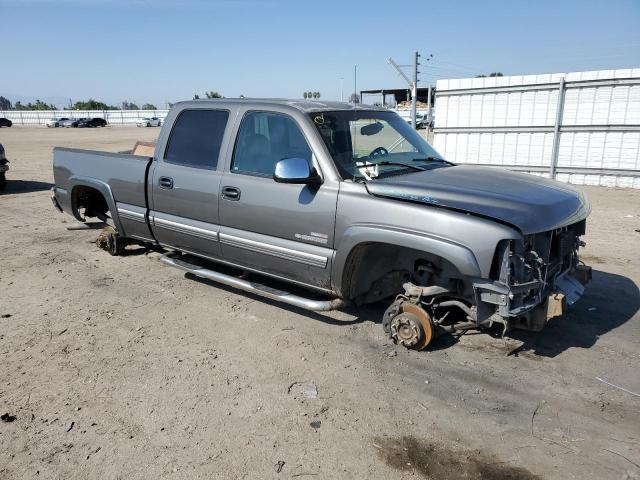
x=149, y=122
x=55, y=122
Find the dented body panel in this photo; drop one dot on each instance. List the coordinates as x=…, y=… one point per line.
x=529, y=203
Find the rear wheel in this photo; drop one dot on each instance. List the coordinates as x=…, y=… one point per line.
x=3, y=181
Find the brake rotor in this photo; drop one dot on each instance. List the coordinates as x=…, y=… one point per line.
x=411, y=327
x=110, y=241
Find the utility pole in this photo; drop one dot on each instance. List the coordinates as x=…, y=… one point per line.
x=355, y=82
x=429, y=104
x=413, y=84
x=414, y=93
x=341, y=89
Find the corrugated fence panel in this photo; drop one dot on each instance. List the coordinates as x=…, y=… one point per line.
x=510, y=121
x=114, y=117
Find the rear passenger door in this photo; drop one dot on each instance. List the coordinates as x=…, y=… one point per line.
x=186, y=180
x=281, y=229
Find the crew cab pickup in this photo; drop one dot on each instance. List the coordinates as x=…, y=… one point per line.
x=346, y=201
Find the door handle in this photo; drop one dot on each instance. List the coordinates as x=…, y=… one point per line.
x=231, y=193
x=166, y=182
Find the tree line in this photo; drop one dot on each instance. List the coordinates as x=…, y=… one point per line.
x=91, y=104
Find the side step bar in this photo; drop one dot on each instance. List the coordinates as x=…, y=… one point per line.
x=174, y=260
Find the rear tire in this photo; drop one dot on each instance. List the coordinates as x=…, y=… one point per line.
x=3, y=181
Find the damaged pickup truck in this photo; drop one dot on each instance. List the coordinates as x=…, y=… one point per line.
x=345, y=201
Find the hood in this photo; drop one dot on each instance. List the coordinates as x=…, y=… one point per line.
x=530, y=203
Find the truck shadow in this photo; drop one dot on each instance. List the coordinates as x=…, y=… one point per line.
x=609, y=301
x=25, y=186
x=320, y=316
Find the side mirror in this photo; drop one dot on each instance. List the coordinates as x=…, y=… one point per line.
x=296, y=170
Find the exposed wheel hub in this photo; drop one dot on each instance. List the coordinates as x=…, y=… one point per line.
x=411, y=326
x=406, y=330
x=110, y=241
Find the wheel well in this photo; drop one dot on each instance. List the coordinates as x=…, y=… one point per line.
x=88, y=202
x=375, y=271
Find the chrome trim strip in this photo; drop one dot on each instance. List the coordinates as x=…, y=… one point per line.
x=249, y=269
x=131, y=215
x=139, y=237
x=275, y=251
x=186, y=229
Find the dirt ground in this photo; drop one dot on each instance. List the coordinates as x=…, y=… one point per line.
x=121, y=368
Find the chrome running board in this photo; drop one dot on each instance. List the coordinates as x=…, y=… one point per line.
x=175, y=260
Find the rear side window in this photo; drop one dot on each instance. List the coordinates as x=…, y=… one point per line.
x=196, y=138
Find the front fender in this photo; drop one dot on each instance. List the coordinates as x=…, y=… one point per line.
x=458, y=255
x=104, y=189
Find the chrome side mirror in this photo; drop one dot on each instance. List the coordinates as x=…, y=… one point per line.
x=296, y=170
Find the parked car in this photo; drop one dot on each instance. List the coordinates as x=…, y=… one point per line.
x=346, y=201
x=56, y=121
x=92, y=122
x=71, y=122
x=4, y=168
x=423, y=120
x=5, y=122
x=149, y=122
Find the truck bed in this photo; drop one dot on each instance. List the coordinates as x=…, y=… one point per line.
x=119, y=177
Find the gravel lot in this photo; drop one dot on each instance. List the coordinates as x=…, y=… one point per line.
x=117, y=367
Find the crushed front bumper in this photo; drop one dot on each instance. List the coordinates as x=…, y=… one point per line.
x=535, y=279
x=500, y=303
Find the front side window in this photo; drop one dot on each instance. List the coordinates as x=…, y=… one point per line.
x=372, y=144
x=264, y=139
x=196, y=138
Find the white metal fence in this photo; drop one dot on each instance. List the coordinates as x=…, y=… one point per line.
x=581, y=127
x=113, y=117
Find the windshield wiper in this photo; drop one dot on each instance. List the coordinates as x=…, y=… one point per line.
x=429, y=159
x=386, y=162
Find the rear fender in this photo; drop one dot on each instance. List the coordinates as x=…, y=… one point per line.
x=104, y=189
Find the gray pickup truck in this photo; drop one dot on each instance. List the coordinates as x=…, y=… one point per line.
x=345, y=201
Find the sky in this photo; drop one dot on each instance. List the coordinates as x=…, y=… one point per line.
x=161, y=51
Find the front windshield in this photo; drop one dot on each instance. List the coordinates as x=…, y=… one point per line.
x=372, y=144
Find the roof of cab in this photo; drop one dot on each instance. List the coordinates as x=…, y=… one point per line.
x=307, y=106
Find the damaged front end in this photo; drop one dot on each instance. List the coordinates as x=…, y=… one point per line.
x=534, y=279
x=531, y=281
